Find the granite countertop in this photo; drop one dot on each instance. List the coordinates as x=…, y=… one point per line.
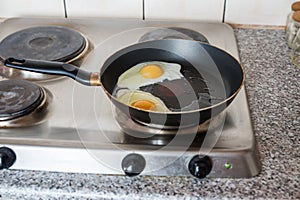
x=273, y=89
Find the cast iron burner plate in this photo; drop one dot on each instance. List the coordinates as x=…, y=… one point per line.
x=173, y=33
x=18, y=97
x=53, y=43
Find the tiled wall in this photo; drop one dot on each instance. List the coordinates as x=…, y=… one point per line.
x=105, y=8
x=263, y=12
x=269, y=12
x=17, y=8
x=208, y=10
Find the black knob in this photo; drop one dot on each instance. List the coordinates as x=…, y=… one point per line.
x=200, y=166
x=7, y=157
x=133, y=164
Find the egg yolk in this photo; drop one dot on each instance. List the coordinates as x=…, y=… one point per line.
x=144, y=105
x=151, y=71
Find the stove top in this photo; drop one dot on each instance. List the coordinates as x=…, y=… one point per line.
x=80, y=133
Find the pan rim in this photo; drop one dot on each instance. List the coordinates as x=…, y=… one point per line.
x=231, y=97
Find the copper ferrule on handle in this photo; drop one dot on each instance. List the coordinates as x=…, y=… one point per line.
x=95, y=79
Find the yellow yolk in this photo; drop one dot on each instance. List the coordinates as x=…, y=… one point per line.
x=144, y=105
x=151, y=71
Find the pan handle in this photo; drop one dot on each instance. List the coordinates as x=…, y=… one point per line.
x=55, y=68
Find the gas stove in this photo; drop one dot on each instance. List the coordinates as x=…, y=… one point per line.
x=76, y=129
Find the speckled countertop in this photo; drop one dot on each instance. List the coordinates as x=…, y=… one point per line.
x=273, y=86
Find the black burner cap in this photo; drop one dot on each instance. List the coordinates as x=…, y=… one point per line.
x=52, y=43
x=18, y=98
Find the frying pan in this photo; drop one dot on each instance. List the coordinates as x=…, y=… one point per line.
x=222, y=73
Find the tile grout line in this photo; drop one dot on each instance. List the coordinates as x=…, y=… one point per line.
x=143, y=9
x=65, y=8
x=224, y=11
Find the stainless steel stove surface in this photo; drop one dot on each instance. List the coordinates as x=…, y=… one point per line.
x=81, y=134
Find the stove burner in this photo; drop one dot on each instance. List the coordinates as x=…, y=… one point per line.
x=53, y=43
x=18, y=98
x=173, y=33
x=138, y=129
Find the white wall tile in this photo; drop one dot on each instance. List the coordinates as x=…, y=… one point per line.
x=105, y=8
x=204, y=10
x=262, y=12
x=22, y=8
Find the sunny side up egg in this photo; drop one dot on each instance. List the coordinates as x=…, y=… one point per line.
x=149, y=73
x=141, y=100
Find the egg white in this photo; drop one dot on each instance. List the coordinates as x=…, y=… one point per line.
x=129, y=96
x=132, y=79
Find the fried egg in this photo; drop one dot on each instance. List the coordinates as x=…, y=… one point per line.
x=149, y=73
x=141, y=100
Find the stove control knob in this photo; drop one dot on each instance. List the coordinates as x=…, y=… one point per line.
x=7, y=157
x=133, y=164
x=200, y=166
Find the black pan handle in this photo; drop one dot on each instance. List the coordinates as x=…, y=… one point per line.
x=55, y=68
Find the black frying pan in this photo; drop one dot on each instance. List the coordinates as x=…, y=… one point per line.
x=221, y=74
